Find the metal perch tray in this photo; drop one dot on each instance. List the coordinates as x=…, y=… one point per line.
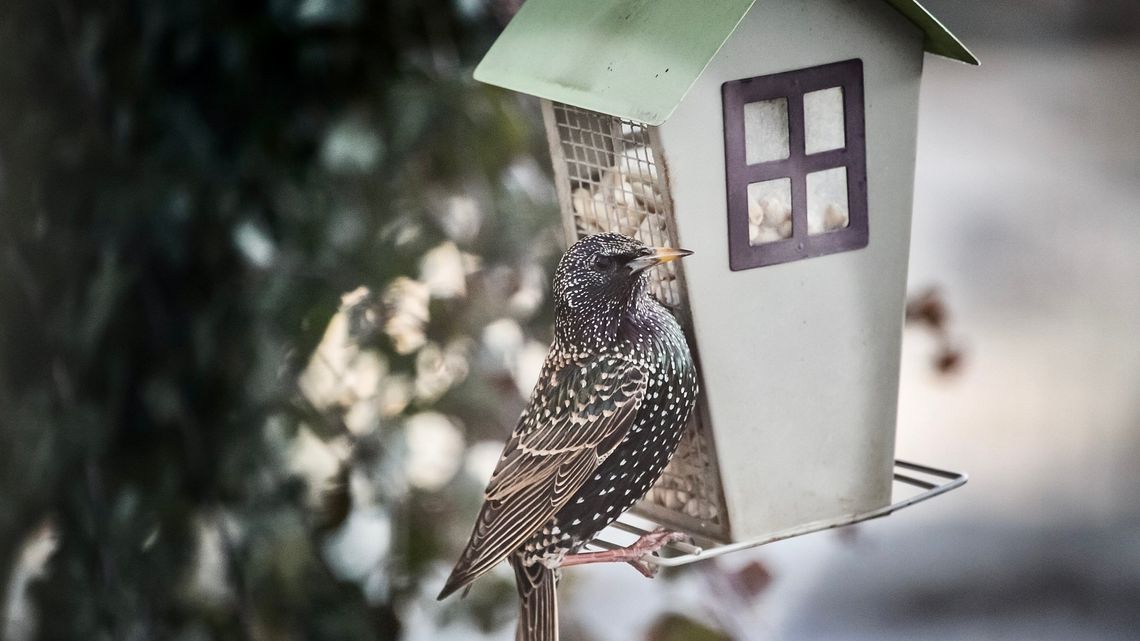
x=929, y=480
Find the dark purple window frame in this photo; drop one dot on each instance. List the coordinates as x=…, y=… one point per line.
x=739, y=174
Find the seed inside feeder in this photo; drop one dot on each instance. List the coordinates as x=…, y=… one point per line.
x=769, y=211
x=827, y=200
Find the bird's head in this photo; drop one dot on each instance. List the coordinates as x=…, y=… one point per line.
x=602, y=277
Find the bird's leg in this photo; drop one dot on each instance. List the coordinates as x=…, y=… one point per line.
x=631, y=554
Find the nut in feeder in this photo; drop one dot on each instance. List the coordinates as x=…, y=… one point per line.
x=776, y=140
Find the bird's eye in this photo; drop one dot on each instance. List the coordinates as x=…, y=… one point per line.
x=603, y=263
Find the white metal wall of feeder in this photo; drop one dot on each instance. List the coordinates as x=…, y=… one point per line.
x=776, y=139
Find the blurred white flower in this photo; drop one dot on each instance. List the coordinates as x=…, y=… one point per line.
x=207, y=581
x=502, y=339
x=442, y=270
x=325, y=13
x=362, y=417
x=404, y=231
x=321, y=380
x=528, y=366
x=395, y=394
x=440, y=369
x=342, y=375
x=482, y=458
x=461, y=218
x=377, y=586
x=472, y=263
x=355, y=297
x=508, y=348
x=257, y=247
x=351, y=146
x=316, y=461
x=435, y=450
x=360, y=544
x=362, y=376
x=405, y=303
x=524, y=176
x=18, y=614
x=532, y=290
x=339, y=373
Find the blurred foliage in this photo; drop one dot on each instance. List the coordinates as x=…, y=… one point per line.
x=675, y=627
x=186, y=191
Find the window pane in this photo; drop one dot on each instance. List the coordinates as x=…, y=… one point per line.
x=766, y=130
x=823, y=120
x=827, y=200
x=769, y=211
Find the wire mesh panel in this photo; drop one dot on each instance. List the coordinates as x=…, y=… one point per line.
x=609, y=180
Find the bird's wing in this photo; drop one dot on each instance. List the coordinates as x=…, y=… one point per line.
x=577, y=415
x=586, y=407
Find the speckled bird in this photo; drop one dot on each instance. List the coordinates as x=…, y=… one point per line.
x=603, y=421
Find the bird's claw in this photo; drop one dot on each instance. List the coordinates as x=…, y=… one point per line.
x=649, y=544
x=655, y=540
x=647, y=570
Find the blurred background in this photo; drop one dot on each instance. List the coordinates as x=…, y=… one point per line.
x=273, y=288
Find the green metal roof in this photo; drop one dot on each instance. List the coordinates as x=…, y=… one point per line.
x=939, y=41
x=635, y=58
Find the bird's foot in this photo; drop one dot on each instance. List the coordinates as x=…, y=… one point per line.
x=631, y=554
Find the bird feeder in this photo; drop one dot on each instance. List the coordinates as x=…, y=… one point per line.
x=777, y=141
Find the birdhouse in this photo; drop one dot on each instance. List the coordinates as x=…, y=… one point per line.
x=776, y=140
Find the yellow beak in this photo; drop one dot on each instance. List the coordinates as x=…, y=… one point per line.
x=659, y=255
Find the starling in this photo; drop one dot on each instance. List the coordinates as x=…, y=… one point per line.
x=603, y=421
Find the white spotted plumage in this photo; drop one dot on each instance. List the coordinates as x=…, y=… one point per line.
x=603, y=421
x=646, y=335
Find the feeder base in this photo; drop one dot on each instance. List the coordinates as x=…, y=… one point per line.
x=931, y=481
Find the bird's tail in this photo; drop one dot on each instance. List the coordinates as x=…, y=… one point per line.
x=538, y=607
